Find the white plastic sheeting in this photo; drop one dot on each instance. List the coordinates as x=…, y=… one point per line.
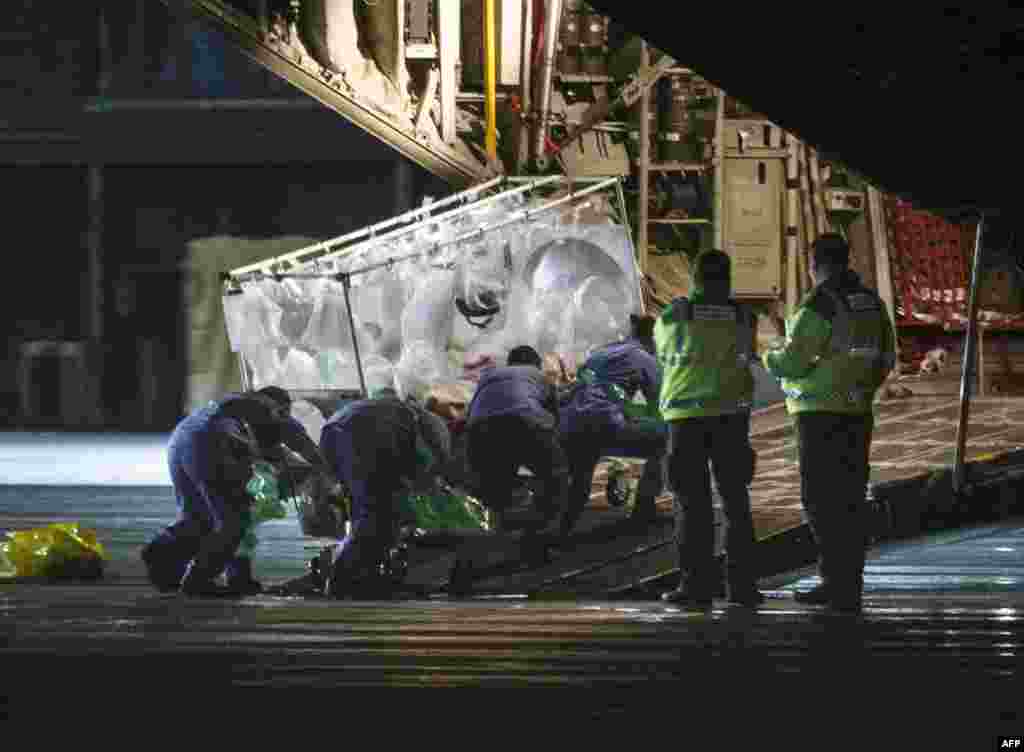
x=212, y=362
x=562, y=282
x=310, y=417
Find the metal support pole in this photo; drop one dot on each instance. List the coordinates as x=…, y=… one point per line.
x=967, y=373
x=981, y=360
x=243, y=374
x=490, y=81
x=551, y=22
x=880, y=242
x=629, y=233
x=346, y=283
x=525, y=89
x=449, y=32
x=643, y=168
x=522, y=215
x=718, y=176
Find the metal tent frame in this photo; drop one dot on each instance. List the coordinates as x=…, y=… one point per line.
x=361, y=241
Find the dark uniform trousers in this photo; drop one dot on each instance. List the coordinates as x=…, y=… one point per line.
x=374, y=454
x=724, y=442
x=209, y=473
x=834, y=470
x=497, y=446
x=592, y=440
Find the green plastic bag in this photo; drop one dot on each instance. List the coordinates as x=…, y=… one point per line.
x=446, y=511
x=267, y=504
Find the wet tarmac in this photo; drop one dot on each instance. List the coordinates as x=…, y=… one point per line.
x=943, y=626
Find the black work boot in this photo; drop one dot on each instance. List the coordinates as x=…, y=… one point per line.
x=680, y=597
x=197, y=582
x=742, y=588
x=338, y=584
x=157, y=571
x=843, y=601
x=688, y=595
x=460, y=582
x=750, y=597
x=240, y=579
x=816, y=596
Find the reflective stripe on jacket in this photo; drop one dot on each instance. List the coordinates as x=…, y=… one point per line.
x=704, y=350
x=839, y=349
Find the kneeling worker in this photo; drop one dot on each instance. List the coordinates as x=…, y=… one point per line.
x=288, y=431
x=705, y=345
x=511, y=423
x=594, y=421
x=210, y=458
x=381, y=449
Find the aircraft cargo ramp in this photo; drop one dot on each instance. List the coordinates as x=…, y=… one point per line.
x=358, y=90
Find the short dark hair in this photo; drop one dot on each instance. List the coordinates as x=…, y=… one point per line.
x=524, y=355
x=831, y=250
x=276, y=393
x=713, y=266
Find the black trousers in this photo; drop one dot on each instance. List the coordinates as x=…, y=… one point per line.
x=373, y=454
x=498, y=446
x=834, y=471
x=723, y=442
x=586, y=445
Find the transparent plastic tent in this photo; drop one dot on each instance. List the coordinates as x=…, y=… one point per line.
x=431, y=296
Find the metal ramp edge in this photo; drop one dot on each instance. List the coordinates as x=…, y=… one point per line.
x=243, y=34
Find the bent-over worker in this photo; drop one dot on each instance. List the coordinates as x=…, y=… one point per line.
x=210, y=458
x=594, y=421
x=382, y=449
x=511, y=423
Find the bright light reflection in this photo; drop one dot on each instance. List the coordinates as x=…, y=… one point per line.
x=58, y=459
x=1004, y=548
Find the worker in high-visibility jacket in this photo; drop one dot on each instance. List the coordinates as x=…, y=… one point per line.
x=705, y=344
x=839, y=350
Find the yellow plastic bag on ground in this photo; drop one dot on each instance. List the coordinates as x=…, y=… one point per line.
x=63, y=549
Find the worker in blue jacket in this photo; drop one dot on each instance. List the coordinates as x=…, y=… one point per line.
x=594, y=421
x=512, y=422
x=210, y=458
x=382, y=449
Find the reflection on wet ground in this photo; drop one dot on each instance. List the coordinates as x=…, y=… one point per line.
x=943, y=613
